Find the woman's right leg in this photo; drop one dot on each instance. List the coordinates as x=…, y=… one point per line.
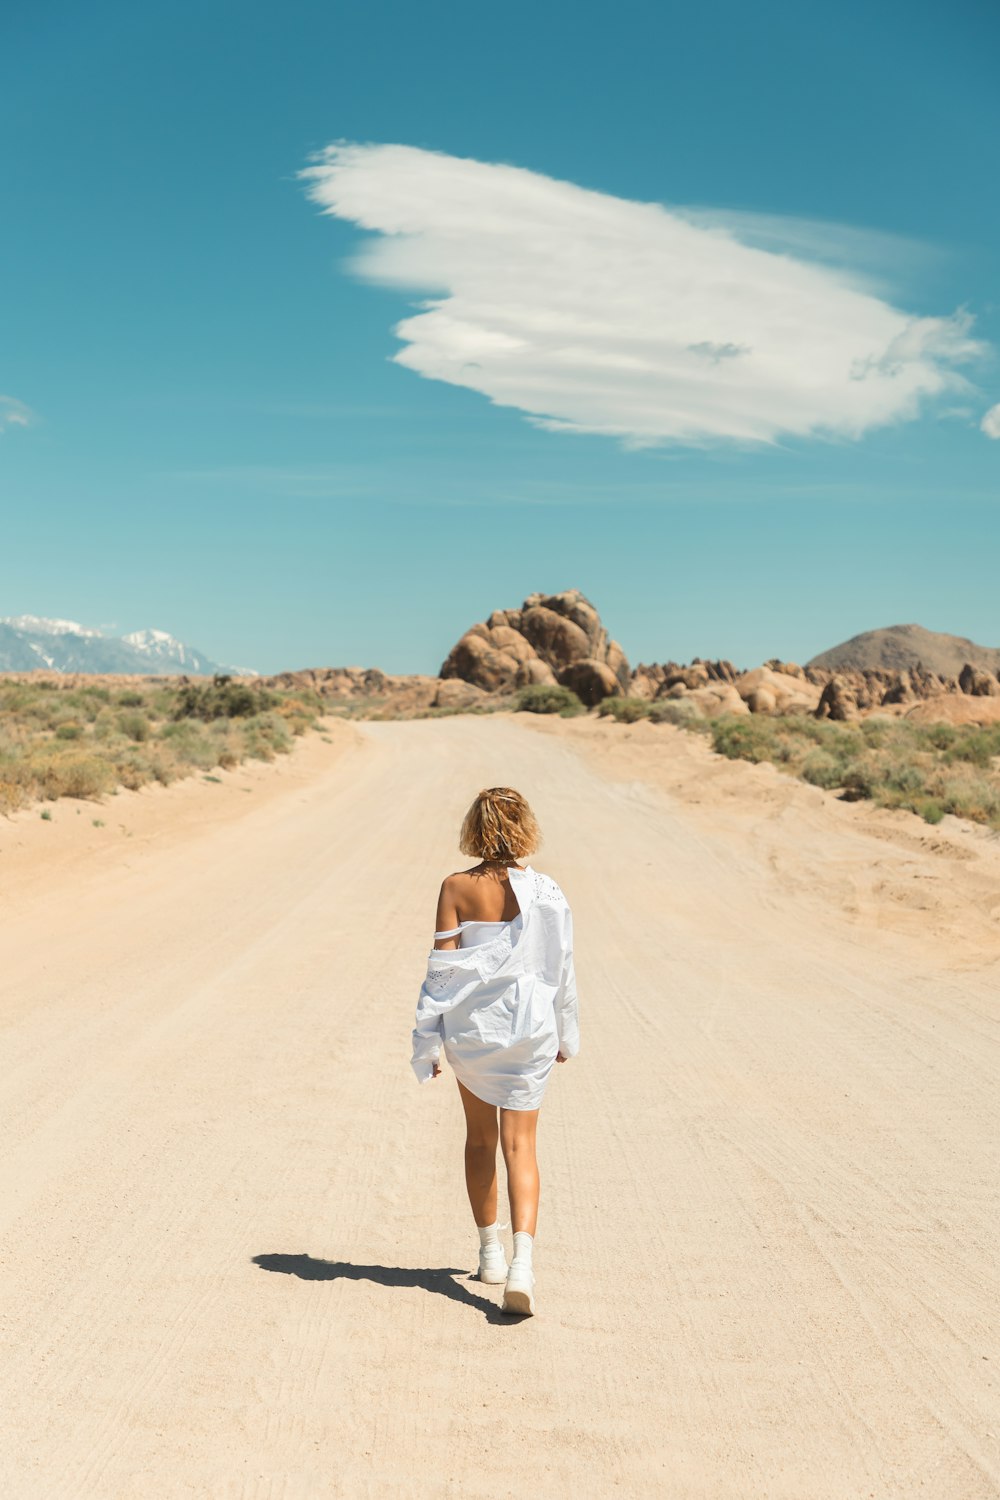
x=482, y=1135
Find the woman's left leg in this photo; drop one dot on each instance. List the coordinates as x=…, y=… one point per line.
x=481, y=1136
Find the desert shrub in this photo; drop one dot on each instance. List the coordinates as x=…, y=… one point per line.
x=548, y=698
x=752, y=738
x=74, y=776
x=903, y=777
x=861, y=779
x=977, y=745
x=222, y=698
x=940, y=736
x=971, y=797
x=131, y=699
x=69, y=730
x=624, y=710
x=820, y=768
x=135, y=727
x=676, y=711
x=930, y=769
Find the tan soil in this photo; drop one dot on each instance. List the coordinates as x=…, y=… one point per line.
x=236, y=1245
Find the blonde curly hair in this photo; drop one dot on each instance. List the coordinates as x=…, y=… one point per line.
x=499, y=825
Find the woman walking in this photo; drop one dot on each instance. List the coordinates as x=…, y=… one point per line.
x=500, y=998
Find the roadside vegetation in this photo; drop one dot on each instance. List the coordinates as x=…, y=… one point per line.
x=548, y=698
x=930, y=769
x=88, y=741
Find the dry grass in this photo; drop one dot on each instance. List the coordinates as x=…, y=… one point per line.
x=87, y=741
x=930, y=769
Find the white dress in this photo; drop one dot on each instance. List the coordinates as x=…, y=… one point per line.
x=503, y=1004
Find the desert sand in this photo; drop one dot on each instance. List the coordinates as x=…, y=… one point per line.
x=236, y=1248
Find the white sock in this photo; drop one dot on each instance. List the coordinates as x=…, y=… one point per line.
x=523, y=1242
x=489, y=1235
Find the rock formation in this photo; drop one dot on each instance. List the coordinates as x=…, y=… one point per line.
x=978, y=684
x=552, y=638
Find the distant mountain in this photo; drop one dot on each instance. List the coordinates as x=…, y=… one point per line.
x=29, y=642
x=901, y=647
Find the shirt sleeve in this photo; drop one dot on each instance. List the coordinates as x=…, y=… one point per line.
x=427, y=1036
x=567, y=1013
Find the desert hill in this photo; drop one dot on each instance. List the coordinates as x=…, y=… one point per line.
x=901, y=648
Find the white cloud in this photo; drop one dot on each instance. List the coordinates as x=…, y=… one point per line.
x=991, y=422
x=14, y=413
x=655, y=325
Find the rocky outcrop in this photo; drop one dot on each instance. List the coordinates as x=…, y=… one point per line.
x=658, y=678
x=837, y=700
x=768, y=690
x=977, y=683
x=878, y=686
x=552, y=638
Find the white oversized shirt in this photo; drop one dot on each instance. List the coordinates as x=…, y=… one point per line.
x=501, y=1009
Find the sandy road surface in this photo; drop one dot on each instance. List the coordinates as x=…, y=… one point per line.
x=234, y=1241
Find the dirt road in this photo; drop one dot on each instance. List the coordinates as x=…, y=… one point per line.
x=235, y=1244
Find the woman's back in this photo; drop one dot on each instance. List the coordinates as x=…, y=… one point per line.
x=479, y=904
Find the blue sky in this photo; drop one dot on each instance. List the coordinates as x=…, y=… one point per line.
x=218, y=441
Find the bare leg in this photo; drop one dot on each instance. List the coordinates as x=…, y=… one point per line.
x=481, y=1136
x=517, y=1139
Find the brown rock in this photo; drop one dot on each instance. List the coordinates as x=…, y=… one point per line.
x=791, y=694
x=591, y=681
x=978, y=683
x=618, y=662
x=556, y=639
x=454, y=693
x=715, y=699
x=900, y=691
x=760, y=700
x=476, y=660
x=837, y=701
x=537, y=643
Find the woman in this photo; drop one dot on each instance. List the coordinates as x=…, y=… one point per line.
x=500, y=997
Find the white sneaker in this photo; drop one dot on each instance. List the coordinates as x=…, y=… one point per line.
x=519, y=1293
x=492, y=1263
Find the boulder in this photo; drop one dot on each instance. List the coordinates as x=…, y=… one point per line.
x=618, y=662
x=978, y=683
x=454, y=693
x=538, y=643
x=474, y=659
x=900, y=691
x=760, y=700
x=837, y=701
x=716, y=699
x=791, y=695
x=591, y=681
x=532, y=671
x=556, y=639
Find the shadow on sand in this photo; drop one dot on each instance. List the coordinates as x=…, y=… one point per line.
x=441, y=1281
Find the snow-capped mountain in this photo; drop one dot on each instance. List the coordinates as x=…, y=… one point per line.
x=31, y=641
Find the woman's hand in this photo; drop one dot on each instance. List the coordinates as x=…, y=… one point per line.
x=560, y=1058
x=437, y=1071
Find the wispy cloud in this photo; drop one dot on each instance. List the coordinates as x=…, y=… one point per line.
x=655, y=325
x=991, y=422
x=14, y=413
